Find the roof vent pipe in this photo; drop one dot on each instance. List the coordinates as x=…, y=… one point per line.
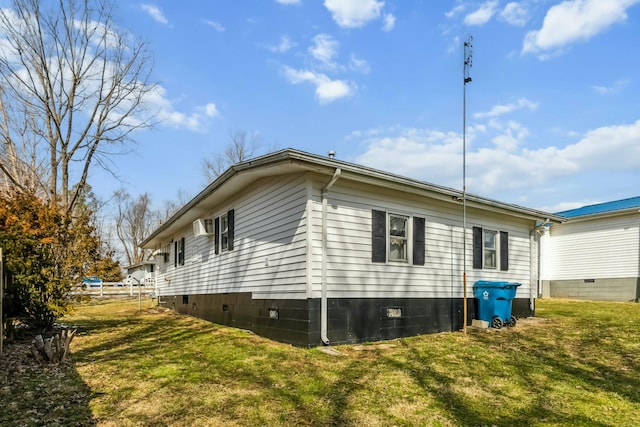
x=332, y=154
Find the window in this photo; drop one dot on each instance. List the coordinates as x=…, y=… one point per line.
x=224, y=232
x=185, y=299
x=180, y=245
x=490, y=249
x=167, y=253
x=489, y=254
x=398, y=237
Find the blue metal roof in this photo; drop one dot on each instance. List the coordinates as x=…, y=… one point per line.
x=617, y=205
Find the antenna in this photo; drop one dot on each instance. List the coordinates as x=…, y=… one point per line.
x=468, y=62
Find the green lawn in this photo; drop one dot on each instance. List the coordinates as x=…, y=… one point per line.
x=578, y=365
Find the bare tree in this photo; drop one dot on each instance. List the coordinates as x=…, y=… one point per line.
x=73, y=87
x=242, y=147
x=170, y=207
x=135, y=220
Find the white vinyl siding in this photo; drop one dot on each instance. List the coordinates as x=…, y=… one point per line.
x=269, y=252
x=352, y=274
x=600, y=248
x=277, y=251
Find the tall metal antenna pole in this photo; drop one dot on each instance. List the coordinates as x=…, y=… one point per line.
x=468, y=55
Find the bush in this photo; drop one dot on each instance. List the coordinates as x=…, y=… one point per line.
x=30, y=234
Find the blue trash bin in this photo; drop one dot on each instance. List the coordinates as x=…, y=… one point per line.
x=494, y=302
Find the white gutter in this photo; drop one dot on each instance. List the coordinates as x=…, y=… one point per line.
x=323, y=288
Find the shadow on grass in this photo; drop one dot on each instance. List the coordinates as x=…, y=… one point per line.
x=36, y=395
x=245, y=377
x=471, y=410
x=166, y=369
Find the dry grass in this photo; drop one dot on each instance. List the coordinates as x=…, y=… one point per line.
x=154, y=368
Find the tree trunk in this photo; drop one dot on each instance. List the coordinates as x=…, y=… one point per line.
x=53, y=349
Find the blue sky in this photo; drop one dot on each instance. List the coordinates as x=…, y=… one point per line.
x=553, y=111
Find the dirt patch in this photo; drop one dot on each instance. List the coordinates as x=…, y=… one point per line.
x=532, y=321
x=158, y=310
x=374, y=347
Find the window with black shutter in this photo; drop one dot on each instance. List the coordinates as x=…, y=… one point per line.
x=175, y=253
x=477, y=248
x=504, y=251
x=216, y=232
x=397, y=238
x=181, y=249
x=418, y=241
x=487, y=244
x=231, y=218
x=378, y=236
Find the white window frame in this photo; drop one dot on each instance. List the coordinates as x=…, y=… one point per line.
x=224, y=232
x=408, y=233
x=182, y=253
x=495, y=250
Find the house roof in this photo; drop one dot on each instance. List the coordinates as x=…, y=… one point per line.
x=617, y=206
x=242, y=174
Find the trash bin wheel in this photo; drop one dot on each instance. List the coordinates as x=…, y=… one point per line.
x=496, y=322
x=512, y=321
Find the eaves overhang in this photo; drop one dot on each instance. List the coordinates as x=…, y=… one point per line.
x=602, y=215
x=240, y=175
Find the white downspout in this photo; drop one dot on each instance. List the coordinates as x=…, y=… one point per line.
x=535, y=235
x=323, y=288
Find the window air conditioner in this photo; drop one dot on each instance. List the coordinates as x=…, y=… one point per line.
x=202, y=227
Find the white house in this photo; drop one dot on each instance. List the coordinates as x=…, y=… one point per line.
x=142, y=274
x=595, y=255
x=308, y=249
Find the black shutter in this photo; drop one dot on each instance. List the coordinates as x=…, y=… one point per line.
x=216, y=228
x=477, y=247
x=231, y=220
x=418, y=241
x=504, y=251
x=378, y=236
x=175, y=253
x=182, y=251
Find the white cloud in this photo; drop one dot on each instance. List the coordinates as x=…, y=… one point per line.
x=211, y=110
x=614, y=88
x=435, y=157
x=327, y=90
x=515, y=13
x=288, y=1
x=165, y=111
x=360, y=65
x=454, y=45
x=324, y=49
x=284, y=45
x=456, y=10
x=389, y=22
x=483, y=14
x=512, y=137
x=215, y=25
x=500, y=109
x=419, y=153
x=572, y=21
x=354, y=13
x=155, y=13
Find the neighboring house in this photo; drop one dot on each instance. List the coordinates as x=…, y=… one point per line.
x=141, y=274
x=308, y=249
x=595, y=255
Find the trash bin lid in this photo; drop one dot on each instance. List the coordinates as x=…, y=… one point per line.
x=495, y=284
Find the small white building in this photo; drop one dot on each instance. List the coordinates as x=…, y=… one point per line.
x=142, y=274
x=308, y=249
x=595, y=255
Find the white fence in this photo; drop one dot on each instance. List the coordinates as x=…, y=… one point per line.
x=112, y=289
